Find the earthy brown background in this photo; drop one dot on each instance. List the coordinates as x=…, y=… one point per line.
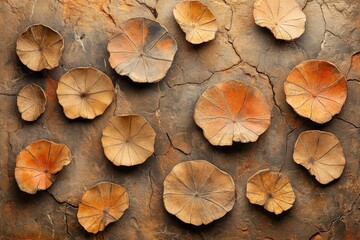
x=241, y=51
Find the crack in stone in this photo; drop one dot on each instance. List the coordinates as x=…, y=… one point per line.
x=152, y=189
x=346, y=121
x=286, y=147
x=232, y=15
x=78, y=39
x=60, y=202
x=341, y=215
x=151, y=9
x=67, y=225
x=194, y=83
x=32, y=9
x=323, y=16
x=8, y=94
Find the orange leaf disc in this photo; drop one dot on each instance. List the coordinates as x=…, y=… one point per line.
x=31, y=102
x=284, y=18
x=316, y=90
x=102, y=204
x=271, y=190
x=85, y=92
x=196, y=20
x=144, y=50
x=128, y=140
x=232, y=111
x=321, y=154
x=197, y=192
x=40, y=47
x=38, y=163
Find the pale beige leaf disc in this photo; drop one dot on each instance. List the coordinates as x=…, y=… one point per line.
x=128, y=140
x=102, y=204
x=316, y=89
x=232, y=111
x=143, y=50
x=85, y=92
x=40, y=47
x=38, y=163
x=321, y=154
x=196, y=20
x=284, y=18
x=271, y=190
x=31, y=102
x=197, y=192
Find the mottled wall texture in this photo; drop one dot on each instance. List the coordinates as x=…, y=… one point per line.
x=241, y=51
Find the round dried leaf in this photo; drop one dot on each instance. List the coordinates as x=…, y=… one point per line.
x=197, y=192
x=271, y=190
x=144, y=50
x=196, y=20
x=321, y=154
x=38, y=163
x=128, y=140
x=85, y=92
x=31, y=102
x=284, y=18
x=40, y=47
x=232, y=111
x=102, y=204
x=316, y=90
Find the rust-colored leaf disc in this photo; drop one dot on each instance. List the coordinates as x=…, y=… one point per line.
x=316, y=90
x=284, y=18
x=271, y=190
x=102, y=204
x=197, y=192
x=40, y=47
x=321, y=154
x=144, y=50
x=31, y=102
x=128, y=140
x=38, y=163
x=85, y=92
x=196, y=20
x=232, y=111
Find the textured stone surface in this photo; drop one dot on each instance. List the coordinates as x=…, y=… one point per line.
x=241, y=51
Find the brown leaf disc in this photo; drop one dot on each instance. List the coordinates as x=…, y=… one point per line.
x=31, y=102
x=128, y=140
x=271, y=190
x=144, y=50
x=102, y=204
x=85, y=92
x=232, y=111
x=38, y=163
x=40, y=47
x=316, y=90
x=196, y=20
x=321, y=154
x=197, y=192
x=284, y=18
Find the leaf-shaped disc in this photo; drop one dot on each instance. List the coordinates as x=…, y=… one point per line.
x=102, y=204
x=197, y=192
x=271, y=190
x=321, y=154
x=196, y=20
x=85, y=92
x=40, y=47
x=128, y=140
x=284, y=18
x=31, y=102
x=316, y=90
x=144, y=50
x=232, y=111
x=38, y=163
